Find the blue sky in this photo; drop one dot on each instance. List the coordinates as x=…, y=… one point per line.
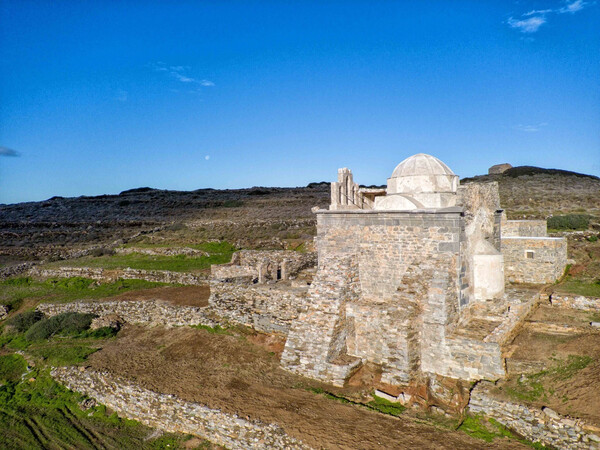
x=102, y=96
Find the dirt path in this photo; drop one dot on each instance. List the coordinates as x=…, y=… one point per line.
x=234, y=375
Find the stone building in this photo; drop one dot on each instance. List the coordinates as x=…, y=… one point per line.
x=405, y=272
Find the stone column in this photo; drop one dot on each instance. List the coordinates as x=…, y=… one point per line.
x=284, y=270
x=262, y=273
x=274, y=272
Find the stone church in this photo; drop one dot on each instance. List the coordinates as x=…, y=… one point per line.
x=412, y=278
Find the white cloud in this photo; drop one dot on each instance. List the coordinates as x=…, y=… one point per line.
x=530, y=25
x=572, y=7
x=207, y=157
x=180, y=73
x=531, y=128
x=537, y=17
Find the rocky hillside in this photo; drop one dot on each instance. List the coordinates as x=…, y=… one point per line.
x=251, y=218
x=534, y=193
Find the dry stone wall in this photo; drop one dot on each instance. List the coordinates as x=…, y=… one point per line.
x=169, y=413
x=268, y=307
x=158, y=276
x=537, y=260
x=575, y=302
x=147, y=312
x=537, y=425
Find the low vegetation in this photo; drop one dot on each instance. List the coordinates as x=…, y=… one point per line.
x=218, y=253
x=14, y=290
x=538, y=386
x=37, y=412
x=490, y=429
x=569, y=222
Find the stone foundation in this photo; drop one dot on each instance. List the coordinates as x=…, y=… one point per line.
x=575, y=302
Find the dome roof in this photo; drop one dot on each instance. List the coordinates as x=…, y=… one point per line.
x=421, y=164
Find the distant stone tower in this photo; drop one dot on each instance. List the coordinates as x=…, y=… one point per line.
x=344, y=192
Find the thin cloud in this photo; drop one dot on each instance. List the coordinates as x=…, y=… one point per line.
x=122, y=95
x=531, y=21
x=573, y=7
x=530, y=25
x=180, y=73
x=5, y=151
x=531, y=128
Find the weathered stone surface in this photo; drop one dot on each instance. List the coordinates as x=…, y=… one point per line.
x=158, y=276
x=575, y=302
x=538, y=425
x=147, y=312
x=499, y=168
x=169, y=413
x=537, y=260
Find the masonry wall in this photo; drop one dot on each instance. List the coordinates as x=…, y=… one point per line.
x=524, y=228
x=269, y=307
x=169, y=413
x=546, y=266
x=398, y=306
x=575, y=302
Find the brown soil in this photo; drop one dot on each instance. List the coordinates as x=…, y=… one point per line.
x=183, y=296
x=234, y=375
x=553, y=334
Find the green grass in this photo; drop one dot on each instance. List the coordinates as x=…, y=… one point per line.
x=11, y=368
x=14, y=291
x=213, y=330
x=385, y=406
x=539, y=385
x=580, y=287
x=176, y=263
x=37, y=412
x=490, y=429
x=569, y=222
x=40, y=413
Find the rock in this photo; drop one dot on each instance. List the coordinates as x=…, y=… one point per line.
x=110, y=320
x=87, y=403
x=551, y=413
x=3, y=311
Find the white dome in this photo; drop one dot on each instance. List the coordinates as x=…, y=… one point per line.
x=421, y=164
x=419, y=182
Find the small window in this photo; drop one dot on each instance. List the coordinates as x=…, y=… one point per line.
x=529, y=254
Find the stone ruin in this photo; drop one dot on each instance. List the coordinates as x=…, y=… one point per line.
x=410, y=278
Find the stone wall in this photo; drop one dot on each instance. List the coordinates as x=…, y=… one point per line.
x=171, y=414
x=159, y=276
x=524, y=228
x=575, y=302
x=537, y=425
x=387, y=290
x=266, y=307
x=147, y=312
x=161, y=251
x=537, y=260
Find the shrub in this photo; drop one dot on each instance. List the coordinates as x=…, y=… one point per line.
x=569, y=222
x=232, y=203
x=102, y=251
x=65, y=323
x=12, y=367
x=21, y=281
x=22, y=322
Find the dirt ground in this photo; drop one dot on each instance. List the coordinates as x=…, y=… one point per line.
x=551, y=335
x=182, y=296
x=237, y=376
